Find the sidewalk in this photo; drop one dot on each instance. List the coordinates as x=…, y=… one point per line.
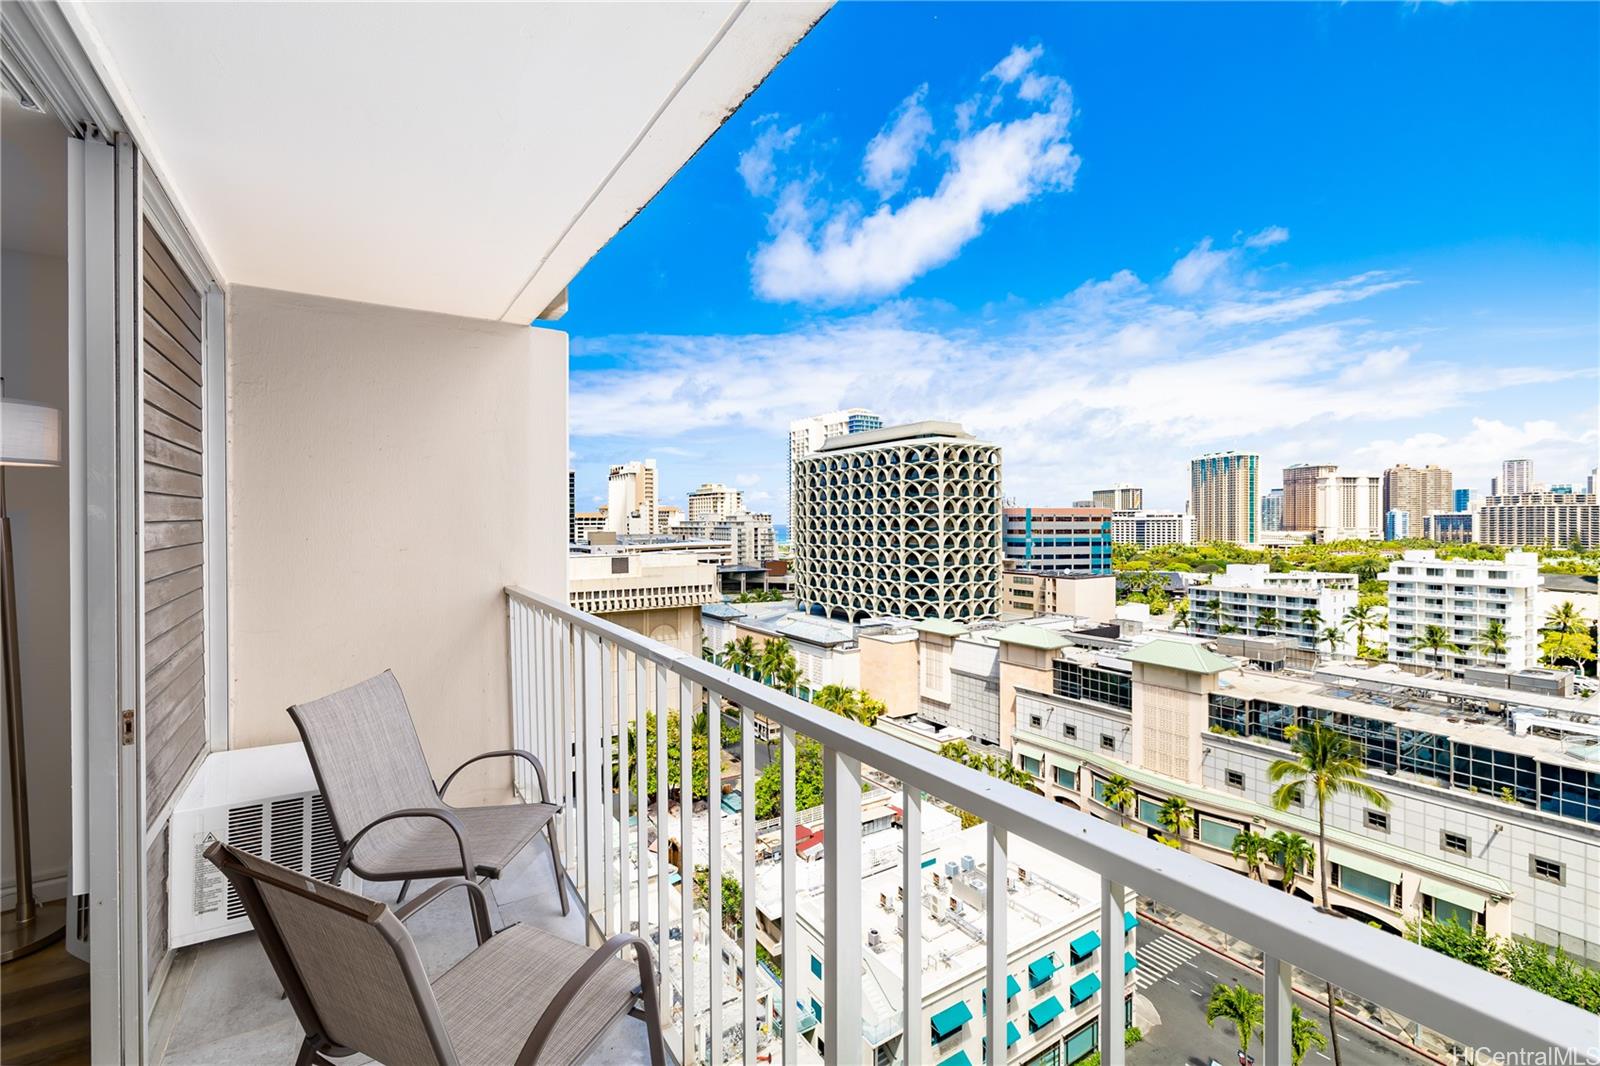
x=1373, y=1017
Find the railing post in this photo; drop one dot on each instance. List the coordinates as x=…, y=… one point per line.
x=788, y=1005
x=996, y=909
x=841, y=862
x=641, y=745
x=914, y=1048
x=1113, y=938
x=606, y=792
x=747, y=825
x=1277, y=976
x=714, y=862
x=658, y=695
x=593, y=747
x=686, y=692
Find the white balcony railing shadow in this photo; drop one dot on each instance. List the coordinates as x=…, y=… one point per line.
x=565, y=672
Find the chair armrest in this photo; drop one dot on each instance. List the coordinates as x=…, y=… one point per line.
x=552, y=1014
x=517, y=753
x=412, y=906
x=480, y=909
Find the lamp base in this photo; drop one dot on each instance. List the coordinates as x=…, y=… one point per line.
x=49, y=925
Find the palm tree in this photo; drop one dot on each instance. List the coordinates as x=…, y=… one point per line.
x=1332, y=636
x=1360, y=617
x=1293, y=853
x=774, y=654
x=1564, y=619
x=1311, y=618
x=835, y=699
x=868, y=708
x=1177, y=818
x=1304, y=1034
x=1118, y=793
x=1267, y=619
x=1237, y=1004
x=788, y=677
x=1250, y=848
x=741, y=654
x=705, y=651
x=1213, y=611
x=1494, y=639
x=1435, y=640
x=1330, y=763
x=1180, y=615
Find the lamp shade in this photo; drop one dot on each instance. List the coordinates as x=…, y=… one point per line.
x=30, y=434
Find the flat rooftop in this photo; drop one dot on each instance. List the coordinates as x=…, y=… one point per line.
x=896, y=434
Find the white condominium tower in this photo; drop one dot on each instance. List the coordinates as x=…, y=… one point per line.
x=899, y=521
x=1121, y=498
x=806, y=435
x=1462, y=598
x=714, y=500
x=1225, y=497
x=1516, y=477
x=633, y=504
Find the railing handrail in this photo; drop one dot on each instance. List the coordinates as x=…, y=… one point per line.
x=1469, y=1005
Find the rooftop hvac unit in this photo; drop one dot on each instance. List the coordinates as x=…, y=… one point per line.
x=967, y=865
x=873, y=939
x=262, y=800
x=950, y=870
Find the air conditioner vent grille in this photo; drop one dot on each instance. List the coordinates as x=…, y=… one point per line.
x=286, y=845
x=324, y=840
x=244, y=832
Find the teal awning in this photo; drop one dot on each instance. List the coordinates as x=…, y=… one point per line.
x=958, y=1059
x=1129, y=963
x=1086, y=943
x=1129, y=920
x=1044, y=1013
x=950, y=1019
x=1084, y=987
x=1040, y=970
x=1012, y=988
x=808, y=1021
x=1461, y=897
x=1013, y=1034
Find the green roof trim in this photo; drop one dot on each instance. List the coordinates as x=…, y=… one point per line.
x=1084, y=987
x=1031, y=637
x=940, y=627
x=950, y=1019
x=1046, y=1011
x=1381, y=870
x=1180, y=655
x=1461, y=897
x=1083, y=945
x=1219, y=803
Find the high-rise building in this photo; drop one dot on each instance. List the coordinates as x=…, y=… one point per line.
x=750, y=535
x=1590, y=484
x=1397, y=524
x=1152, y=529
x=1540, y=519
x=1224, y=497
x=1465, y=499
x=633, y=500
x=1061, y=540
x=1320, y=499
x=1121, y=498
x=1272, y=511
x=714, y=500
x=1417, y=492
x=1462, y=597
x=807, y=435
x=1563, y=488
x=1516, y=477
x=899, y=521
x=1449, y=527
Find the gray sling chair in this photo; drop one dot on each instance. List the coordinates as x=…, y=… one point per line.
x=391, y=821
x=350, y=969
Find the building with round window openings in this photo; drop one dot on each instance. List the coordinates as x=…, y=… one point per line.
x=902, y=521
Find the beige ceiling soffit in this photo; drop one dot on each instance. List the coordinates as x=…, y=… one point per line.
x=133, y=119
x=513, y=311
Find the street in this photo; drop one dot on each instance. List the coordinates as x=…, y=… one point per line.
x=1176, y=976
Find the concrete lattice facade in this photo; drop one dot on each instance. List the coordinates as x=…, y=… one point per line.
x=900, y=521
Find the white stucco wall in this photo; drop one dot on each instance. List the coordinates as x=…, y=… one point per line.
x=391, y=471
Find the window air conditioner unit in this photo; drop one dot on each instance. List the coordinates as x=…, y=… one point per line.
x=263, y=800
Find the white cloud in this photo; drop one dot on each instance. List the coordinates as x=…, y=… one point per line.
x=756, y=163
x=1267, y=238
x=837, y=252
x=1118, y=379
x=1202, y=266
x=892, y=152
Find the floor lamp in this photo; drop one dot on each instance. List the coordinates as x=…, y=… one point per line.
x=30, y=435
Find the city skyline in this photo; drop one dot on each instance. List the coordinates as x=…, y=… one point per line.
x=988, y=226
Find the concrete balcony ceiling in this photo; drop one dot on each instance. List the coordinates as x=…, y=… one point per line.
x=466, y=159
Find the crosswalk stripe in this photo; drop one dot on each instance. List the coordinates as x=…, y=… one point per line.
x=1159, y=956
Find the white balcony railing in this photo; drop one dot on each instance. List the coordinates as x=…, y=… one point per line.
x=579, y=683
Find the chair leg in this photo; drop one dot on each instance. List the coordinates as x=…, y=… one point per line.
x=308, y=1054
x=555, y=860
x=405, y=886
x=496, y=924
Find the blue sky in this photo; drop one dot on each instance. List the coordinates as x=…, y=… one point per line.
x=1112, y=237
